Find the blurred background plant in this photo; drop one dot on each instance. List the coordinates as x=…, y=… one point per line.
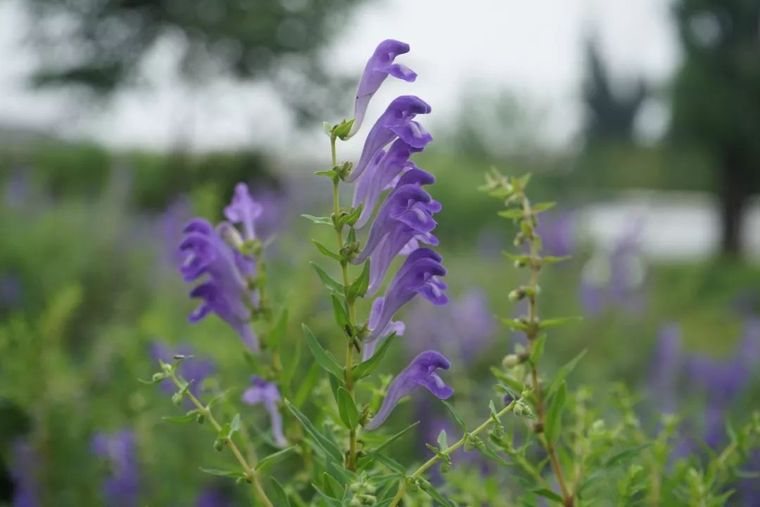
x=657, y=174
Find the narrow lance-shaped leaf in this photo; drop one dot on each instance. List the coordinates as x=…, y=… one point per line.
x=325, y=360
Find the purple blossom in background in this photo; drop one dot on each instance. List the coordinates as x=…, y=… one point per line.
x=461, y=330
x=193, y=369
x=170, y=224
x=378, y=67
x=11, y=291
x=25, y=465
x=215, y=253
x=244, y=210
x=122, y=486
x=396, y=122
x=213, y=497
x=666, y=367
x=420, y=372
x=225, y=292
x=615, y=278
x=267, y=394
x=557, y=231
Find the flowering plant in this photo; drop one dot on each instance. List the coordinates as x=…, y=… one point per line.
x=537, y=438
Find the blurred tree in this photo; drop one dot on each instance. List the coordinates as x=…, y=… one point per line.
x=610, y=113
x=716, y=99
x=101, y=43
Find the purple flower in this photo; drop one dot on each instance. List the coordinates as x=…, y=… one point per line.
x=381, y=175
x=225, y=292
x=461, y=331
x=420, y=274
x=420, y=372
x=26, y=463
x=557, y=231
x=406, y=215
x=213, y=497
x=396, y=122
x=379, y=65
x=192, y=369
x=394, y=326
x=666, y=367
x=122, y=487
x=267, y=394
x=244, y=210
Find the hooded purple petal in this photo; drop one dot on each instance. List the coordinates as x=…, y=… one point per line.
x=225, y=291
x=420, y=274
x=420, y=372
x=267, y=394
x=396, y=121
x=378, y=67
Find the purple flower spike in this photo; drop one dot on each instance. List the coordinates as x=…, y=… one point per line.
x=381, y=175
x=122, y=488
x=267, y=394
x=26, y=466
x=244, y=210
x=226, y=291
x=420, y=372
x=396, y=121
x=420, y=274
x=378, y=67
x=406, y=215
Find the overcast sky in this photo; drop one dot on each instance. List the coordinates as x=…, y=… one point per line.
x=532, y=48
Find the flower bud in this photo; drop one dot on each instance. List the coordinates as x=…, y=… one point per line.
x=517, y=294
x=510, y=360
x=157, y=377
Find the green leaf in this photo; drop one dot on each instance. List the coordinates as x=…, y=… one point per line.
x=542, y=206
x=278, y=330
x=347, y=408
x=515, y=324
x=454, y=415
x=435, y=494
x=326, y=251
x=537, y=351
x=182, y=419
x=328, y=281
x=231, y=474
x=324, y=359
x=350, y=217
x=318, y=220
x=514, y=384
x=340, y=312
x=361, y=370
x=625, y=455
x=563, y=373
x=550, y=259
x=280, y=497
x=395, y=437
x=235, y=424
x=320, y=440
x=512, y=214
x=274, y=458
x=307, y=384
x=443, y=441
x=361, y=284
x=550, y=323
x=554, y=413
x=547, y=493
x=342, y=129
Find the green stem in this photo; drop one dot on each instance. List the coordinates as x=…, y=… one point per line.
x=432, y=461
x=353, y=433
x=532, y=335
x=248, y=469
